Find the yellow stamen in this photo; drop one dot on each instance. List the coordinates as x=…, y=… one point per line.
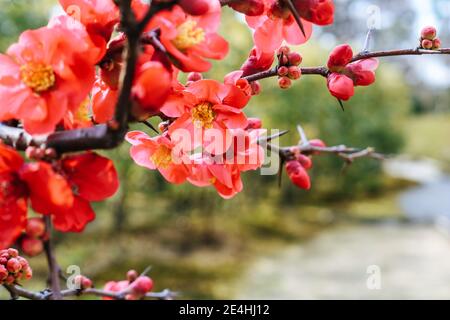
x=188, y=35
x=203, y=115
x=82, y=113
x=38, y=76
x=162, y=158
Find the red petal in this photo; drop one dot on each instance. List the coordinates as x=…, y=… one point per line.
x=94, y=176
x=74, y=219
x=10, y=159
x=49, y=191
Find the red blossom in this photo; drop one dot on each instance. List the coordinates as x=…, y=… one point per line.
x=345, y=75
x=191, y=39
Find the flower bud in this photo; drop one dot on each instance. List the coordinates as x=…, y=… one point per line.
x=428, y=33
x=83, y=282
x=194, y=76
x=294, y=73
x=13, y=253
x=32, y=246
x=283, y=71
x=305, y=161
x=317, y=143
x=35, y=227
x=13, y=265
x=254, y=123
x=295, y=58
x=298, y=174
x=194, y=7
x=256, y=88
x=142, y=285
x=132, y=275
x=436, y=44
x=427, y=44
x=284, y=83
x=3, y=273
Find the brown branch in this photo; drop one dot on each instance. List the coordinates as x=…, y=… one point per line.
x=54, y=269
x=18, y=291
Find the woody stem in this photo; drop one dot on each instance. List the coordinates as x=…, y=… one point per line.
x=54, y=270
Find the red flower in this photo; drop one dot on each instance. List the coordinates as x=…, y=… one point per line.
x=69, y=189
x=13, y=197
x=159, y=153
x=191, y=39
x=224, y=172
x=44, y=75
x=257, y=61
x=152, y=85
x=98, y=16
x=275, y=25
x=204, y=105
x=345, y=75
x=320, y=12
x=21, y=182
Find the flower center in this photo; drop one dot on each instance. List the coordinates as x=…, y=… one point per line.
x=162, y=158
x=82, y=114
x=188, y=35
x=38, y=76
x=203, y=115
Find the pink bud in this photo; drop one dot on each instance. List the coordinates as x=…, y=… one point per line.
x=132, y=275
x=35, y=227
x=256, y=87
x=284, y=83
x=194, y=76
x=3, y=273
x=13, y=252
x=305, y=161
x=283, y=71
x=436, y=44
x=428, y=33
x=294, y=73
x=254, y=123
x=13, y=265
x=142, y=285
x=295, y=59
x=427, y=44
x=32, y=246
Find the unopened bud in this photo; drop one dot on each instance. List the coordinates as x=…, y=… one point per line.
x=428, y=33
x=284, y=83
x=294, y=73
x=283, y=71
x=427, y=44
x=295, y=58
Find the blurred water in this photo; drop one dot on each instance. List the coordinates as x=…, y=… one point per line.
x=414, y=263
x=413, y=259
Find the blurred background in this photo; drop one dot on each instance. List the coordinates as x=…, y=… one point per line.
x=368, y=222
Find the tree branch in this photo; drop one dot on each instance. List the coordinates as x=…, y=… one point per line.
x=54, y=270
x=17, y=291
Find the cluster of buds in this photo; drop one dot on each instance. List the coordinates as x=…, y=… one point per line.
x=298, y=166
x=135, y=287
x=429, y=39
x=32, y=241
x=13, y=267
x=288, y=69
